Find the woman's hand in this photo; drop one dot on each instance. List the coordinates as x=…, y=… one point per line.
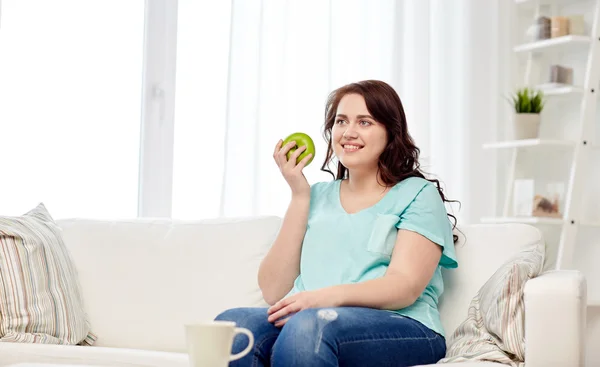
x=280, y=312
x=291, y=171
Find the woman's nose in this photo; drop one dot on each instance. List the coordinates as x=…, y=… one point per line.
x=350, y=132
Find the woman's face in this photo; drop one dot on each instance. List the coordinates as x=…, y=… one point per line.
x=357, y=139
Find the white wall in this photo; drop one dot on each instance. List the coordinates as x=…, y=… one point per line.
x=559, y=117
x=482, y=104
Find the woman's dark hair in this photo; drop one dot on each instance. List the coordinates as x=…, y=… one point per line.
x=400, y=159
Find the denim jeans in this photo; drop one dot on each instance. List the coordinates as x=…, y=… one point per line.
x=340, y=336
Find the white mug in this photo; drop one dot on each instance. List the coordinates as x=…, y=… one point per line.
x=209, y=343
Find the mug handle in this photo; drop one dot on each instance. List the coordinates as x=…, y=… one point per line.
x=241, y=330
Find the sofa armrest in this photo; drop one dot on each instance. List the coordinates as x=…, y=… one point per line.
x=555, y=319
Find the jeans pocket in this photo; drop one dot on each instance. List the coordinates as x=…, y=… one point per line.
x=383, y=234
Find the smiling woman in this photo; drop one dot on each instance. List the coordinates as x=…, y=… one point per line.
x=361, y=254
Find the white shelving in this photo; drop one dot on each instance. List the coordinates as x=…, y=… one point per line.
x=557, y=89
x=528, y=220
x=578, y=147
x=564, y=41
x=531, y=4
x=529, y=143
x=536, y=220
x=591, y=223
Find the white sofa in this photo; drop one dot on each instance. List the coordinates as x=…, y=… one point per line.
x=143, y=279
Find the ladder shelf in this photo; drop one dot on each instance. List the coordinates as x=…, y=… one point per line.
x=527, y=220
x=545, y=45
x=558, y=89
x=532, y=4
x=580, y=144
x=529, y=143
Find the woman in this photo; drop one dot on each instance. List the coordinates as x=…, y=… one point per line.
x=354, y=275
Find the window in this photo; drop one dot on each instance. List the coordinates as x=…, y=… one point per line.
x=200, y=108
x=70, y=92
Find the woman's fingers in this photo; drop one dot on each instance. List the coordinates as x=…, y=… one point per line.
x=280, y=304
x=289, y=309
x=281, y=154
x=276, y=153
x=282, y=322
x=277, y=147
x=294, y=157
x=300, y=166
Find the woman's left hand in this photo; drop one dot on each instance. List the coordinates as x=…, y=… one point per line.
x=282, y=310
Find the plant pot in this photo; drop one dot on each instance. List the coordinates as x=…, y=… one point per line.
x=526, y=125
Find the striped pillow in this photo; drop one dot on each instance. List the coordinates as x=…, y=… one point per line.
x=495, y=326
x=40, y=299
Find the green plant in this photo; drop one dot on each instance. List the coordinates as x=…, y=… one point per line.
x=526, y=100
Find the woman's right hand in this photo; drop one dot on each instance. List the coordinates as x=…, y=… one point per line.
x=291, y=171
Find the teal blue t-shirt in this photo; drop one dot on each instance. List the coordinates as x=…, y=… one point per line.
x=343, y=248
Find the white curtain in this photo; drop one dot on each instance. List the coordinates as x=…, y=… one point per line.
x=248, y=72
x=70, y=101
x=284, y=58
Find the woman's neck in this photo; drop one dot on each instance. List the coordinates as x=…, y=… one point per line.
x=364, y=182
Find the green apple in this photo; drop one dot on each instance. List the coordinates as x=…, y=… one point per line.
x=301, y=139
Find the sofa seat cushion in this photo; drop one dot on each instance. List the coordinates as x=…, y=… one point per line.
x=13, y=353
x=467, y=364
x=87, y=355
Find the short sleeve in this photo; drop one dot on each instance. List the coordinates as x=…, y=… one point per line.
x=318, y=192
x=427, y=215
x=316, y=188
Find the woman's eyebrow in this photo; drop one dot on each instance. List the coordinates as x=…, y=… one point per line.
x=357, y=116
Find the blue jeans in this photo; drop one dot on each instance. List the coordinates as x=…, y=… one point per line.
x=340, y=336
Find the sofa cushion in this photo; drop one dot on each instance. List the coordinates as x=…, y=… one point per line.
x=481, y=250
x=494, y=329
x=40, y=299
x=93, y=356
x=466, y=364
x=143, y=279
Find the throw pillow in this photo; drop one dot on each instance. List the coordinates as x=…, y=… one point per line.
x=495, y=326
x=40, y=299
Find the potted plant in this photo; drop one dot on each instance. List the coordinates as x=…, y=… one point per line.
x=528, y=105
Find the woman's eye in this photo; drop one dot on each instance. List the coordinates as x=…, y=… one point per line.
x=365, y=122
x=339, y=121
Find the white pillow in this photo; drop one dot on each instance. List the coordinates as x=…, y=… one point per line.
x=40, y=299
x=495, y=326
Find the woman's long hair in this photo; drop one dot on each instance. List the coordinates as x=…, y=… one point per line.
x=400, y=159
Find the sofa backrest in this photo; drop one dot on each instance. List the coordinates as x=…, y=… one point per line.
x=481, y=250
x=143, y=279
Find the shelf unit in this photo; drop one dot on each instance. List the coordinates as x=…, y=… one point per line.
x=528, y=220
x=533, y=3
x=529, y=143
x=579, y=147
x=545, y=45
x=537, y=220
x=557, y=89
